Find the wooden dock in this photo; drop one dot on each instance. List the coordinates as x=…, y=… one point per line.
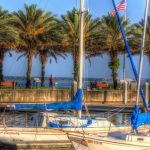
x=122, y=108
x=44, y=145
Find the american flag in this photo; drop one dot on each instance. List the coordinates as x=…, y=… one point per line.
x=120, y=6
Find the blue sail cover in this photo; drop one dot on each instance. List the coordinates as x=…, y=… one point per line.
x=138, y=119
x=55, y=125
x=74, y=104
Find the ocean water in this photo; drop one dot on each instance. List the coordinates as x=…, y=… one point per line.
x=63, y=82
x=58, y=82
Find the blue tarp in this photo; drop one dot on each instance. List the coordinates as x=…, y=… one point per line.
x=138, y=119
x=54, y=125
x=74, y=104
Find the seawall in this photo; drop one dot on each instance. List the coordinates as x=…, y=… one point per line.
x=49, y=96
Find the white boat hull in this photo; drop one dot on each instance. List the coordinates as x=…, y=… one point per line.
x=117, y=145
x=30, y=134
x=41, y=134
x=121, y=141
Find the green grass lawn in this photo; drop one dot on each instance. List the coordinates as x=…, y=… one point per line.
x=55, y=88
x=36, y=88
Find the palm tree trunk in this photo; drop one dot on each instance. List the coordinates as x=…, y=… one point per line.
x=114, y=75
x=28, y=75
x=114, y=65
x=76, y=66
x=1, y=66
x=114, y=71
x=42, y=73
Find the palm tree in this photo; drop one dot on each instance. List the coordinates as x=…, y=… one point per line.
x=8, y=37
x=32, y=25
x=70, y=31
x=138, y=36
x=112, y=41
x=140, y=26
x=44, y=55
x=50, y=46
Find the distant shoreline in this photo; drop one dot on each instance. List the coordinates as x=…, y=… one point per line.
x=18, y=78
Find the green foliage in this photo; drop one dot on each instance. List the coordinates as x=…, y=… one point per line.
x=36, y=32
x=138, y=36
x=147, y=41
x=70, y=32
x=111, y=41
x=8, y=36
x=114, y=65
x=33, y=26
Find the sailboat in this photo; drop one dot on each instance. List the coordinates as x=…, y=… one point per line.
x=72, y=123
x=53, y=126
x=133, y=140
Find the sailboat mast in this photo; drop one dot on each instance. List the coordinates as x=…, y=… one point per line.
x=81, y=47
x=141, y=51
x=81, y=42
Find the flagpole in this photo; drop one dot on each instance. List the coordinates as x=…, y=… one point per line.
x=124, y=65
x=124, y=55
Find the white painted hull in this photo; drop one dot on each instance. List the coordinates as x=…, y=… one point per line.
x=40, y=134
x=79, y=146
x=117, y=145
x=122, y=142
x=30, y=134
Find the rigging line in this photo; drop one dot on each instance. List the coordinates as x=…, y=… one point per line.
x=88, y=4
x=115, y=113
x=46, y=4
x=119, y=110
x=92, y=9
x=12, y=63
x=5, y=128
x=76, y=4
x=81, y=139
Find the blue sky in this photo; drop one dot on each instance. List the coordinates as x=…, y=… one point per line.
x=135, y=8
x=98, y=8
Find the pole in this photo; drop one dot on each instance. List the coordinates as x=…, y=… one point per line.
x=124, y=67
x=141, y=52
x=81, y=46
x=124, y=55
